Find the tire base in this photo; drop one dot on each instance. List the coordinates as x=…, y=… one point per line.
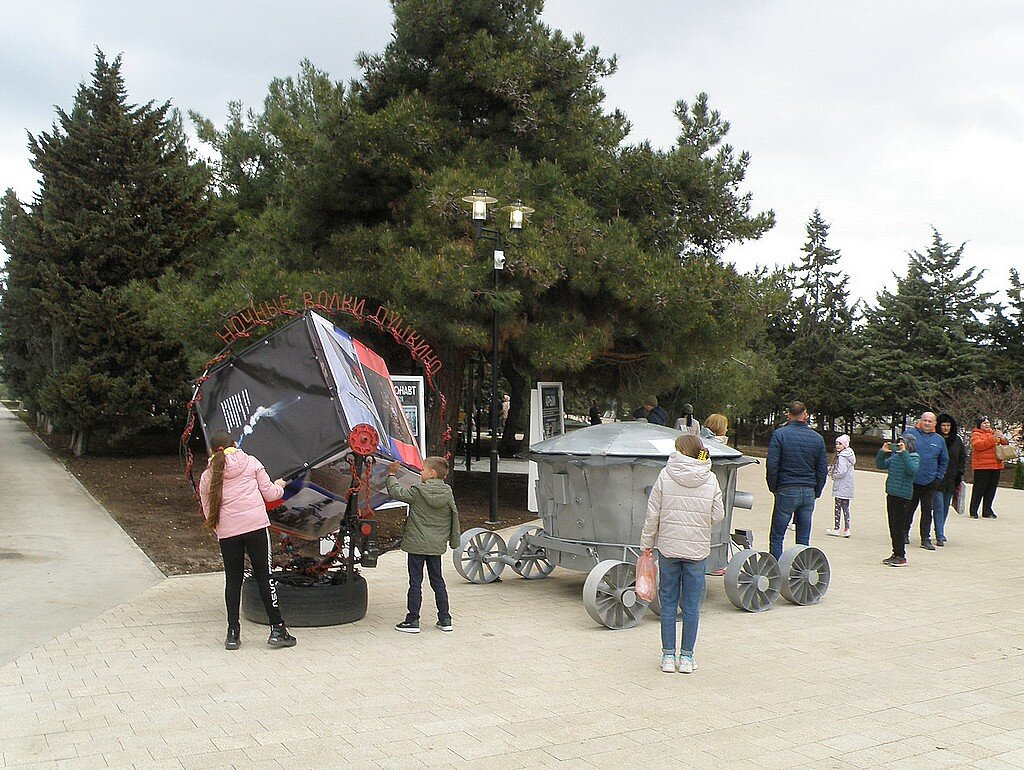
x=324, y=604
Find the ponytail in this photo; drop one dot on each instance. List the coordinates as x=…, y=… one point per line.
x=216, y=488
x=220, y=441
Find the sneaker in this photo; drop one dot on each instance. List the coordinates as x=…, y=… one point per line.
x=668, y=663
x=927, y=545
x=279, y=637
x=834, y=532
x=232, y=642
x=989, y=515
x=445, y=625
x=890, y=561
x=974, y=515
x=899, y=561
x=408, y=628
x=846, y=533
x=940, y=541
x=686, y=664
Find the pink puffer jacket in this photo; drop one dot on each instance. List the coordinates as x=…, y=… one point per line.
x=684, y=506
x=247, y=489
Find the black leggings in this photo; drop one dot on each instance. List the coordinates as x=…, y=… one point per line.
x=233, y=549
x=983, y=492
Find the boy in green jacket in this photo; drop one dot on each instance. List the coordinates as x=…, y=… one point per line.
x=431, y=526
x=902, y=462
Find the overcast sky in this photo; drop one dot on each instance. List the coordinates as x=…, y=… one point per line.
x=890, y=117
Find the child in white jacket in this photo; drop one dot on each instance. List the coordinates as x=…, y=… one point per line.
x=684, y=506
x=842, y=485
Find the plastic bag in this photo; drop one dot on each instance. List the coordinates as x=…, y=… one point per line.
x=646, y=576
x=960, y=498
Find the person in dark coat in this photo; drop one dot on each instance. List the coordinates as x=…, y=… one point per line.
x=650, y=411
x=797, y=468
x=953, y=477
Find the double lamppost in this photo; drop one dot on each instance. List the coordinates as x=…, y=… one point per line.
x=517, y=214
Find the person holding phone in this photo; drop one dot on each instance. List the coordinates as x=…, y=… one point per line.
x=902, y=462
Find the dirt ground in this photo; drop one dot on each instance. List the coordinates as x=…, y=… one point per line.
x=147, y=494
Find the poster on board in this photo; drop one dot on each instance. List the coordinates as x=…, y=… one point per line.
x=409, y=389
x=552, y=410
x=547, y=419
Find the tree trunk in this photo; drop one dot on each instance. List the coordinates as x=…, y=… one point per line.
x=519, y=396
x=450, y=382
x=80, y=441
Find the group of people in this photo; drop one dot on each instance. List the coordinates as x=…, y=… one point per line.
x=233, y=492
x=925, y=469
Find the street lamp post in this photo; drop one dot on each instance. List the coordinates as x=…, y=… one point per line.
x=518, y=214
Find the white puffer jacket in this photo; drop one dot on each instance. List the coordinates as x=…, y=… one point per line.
x=685, y=504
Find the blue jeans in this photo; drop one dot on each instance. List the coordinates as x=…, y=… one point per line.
x=791, y=503
x=679, y=576
x=940, y=511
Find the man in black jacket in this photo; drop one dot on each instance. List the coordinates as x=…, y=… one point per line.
x=797, y=468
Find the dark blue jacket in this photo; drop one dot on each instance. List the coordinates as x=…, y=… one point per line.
x=796, y=458
x=934, y=456
x=657, y=416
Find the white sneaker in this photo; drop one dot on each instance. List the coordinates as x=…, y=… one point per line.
x=687, y=665
x=835, y=533
x=668, y=663
x=846, y=533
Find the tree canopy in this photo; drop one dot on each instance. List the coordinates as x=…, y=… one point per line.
x=120, y=201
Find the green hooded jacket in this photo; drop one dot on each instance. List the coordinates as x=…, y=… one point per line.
x=433, y=521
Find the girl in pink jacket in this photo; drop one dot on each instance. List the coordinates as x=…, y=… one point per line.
x=684, y=506
x=234, y=490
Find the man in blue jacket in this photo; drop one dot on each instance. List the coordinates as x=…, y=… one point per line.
x=934, y=459
x=797, y=468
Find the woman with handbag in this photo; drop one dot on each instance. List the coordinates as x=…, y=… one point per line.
x=987, y=466
x=684, y=506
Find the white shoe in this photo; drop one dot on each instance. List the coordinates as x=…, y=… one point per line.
x=846, y=533
x=687, y=665
x=668, y=663
x=835, y=533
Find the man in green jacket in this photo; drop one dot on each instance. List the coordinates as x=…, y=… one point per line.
x=902, y=462
x=431, y=526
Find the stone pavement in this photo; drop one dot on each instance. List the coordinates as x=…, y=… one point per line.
x=63, y=560
x=914, y=667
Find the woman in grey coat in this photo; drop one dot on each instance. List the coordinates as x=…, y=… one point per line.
x=842, y=485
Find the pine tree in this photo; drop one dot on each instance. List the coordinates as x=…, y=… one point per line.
x=925, y=337
x=815, y=359
x=120, y=200
x=1006, y=332
x=616, y=282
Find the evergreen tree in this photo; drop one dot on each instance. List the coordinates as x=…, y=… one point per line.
x=814, y=360
x=616, y=283
x=924, y=337
x=1006, y=332
x=120, y=200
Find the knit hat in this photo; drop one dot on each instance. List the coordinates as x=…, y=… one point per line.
x=843, y=441
x=911, y=442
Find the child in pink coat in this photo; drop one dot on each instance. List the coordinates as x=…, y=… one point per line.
x=234, y=490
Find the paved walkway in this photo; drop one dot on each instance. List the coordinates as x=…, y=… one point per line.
x=63, y=560
x=917, y=667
